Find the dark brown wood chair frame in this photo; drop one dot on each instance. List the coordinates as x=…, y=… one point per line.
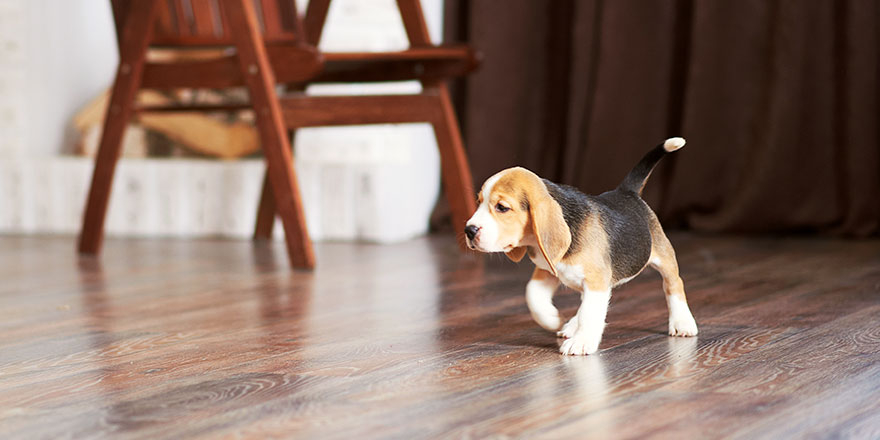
x=276, y=46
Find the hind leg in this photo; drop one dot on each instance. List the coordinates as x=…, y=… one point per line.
x=681, y=321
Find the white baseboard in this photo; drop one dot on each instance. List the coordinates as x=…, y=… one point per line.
x=380, y=189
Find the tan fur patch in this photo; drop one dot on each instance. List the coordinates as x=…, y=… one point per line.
x=663, y=259
x=541, y=274
x=595, y=258
x=517, y=254
x=533, y=218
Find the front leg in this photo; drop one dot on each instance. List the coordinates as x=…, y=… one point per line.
x=539, y=298
x=590, y=323
x=569, y=329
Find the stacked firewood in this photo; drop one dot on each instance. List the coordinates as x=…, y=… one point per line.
x=226, y=135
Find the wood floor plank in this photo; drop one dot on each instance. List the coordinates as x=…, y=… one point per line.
x=219, y=339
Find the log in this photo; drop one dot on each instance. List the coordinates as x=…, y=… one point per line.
x=197, y=132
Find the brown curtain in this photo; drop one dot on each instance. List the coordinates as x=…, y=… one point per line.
x=778, y=101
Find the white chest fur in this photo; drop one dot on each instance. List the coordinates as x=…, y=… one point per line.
x=571, y=276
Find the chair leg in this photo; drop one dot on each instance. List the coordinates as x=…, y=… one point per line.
x=457, y=180
x=134, y=38
x=265, y=224
x=260, y=81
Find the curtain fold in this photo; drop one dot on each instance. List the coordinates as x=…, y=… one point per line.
x=778, y=101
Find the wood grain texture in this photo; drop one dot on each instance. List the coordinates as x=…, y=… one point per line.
x=260, y=82
x=301, y=110
x=290, y=63
x=205, y=23
x=218, y=339
x=134, y=37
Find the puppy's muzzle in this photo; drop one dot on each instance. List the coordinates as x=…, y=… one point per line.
x=471, y=232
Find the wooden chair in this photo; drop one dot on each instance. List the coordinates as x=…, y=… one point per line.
x=277, y=46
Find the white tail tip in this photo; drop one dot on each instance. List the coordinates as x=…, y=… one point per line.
x=673, y=144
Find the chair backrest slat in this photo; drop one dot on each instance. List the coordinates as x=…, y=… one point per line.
x=165, y=23
x=180, y=16
x=206, y=17
x=290, y=18
x=270, y=18
x=202, y=22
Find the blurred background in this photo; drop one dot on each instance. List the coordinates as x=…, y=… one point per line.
x=778, y=101
x=192, y=175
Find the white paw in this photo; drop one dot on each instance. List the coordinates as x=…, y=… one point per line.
x=579, y=345
x=682, y=326
x=569, y=329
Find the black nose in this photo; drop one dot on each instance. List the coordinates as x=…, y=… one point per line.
x=471, y=231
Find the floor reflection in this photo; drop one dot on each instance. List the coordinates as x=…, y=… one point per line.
x=682, y=356
x=592, y=393
x=391, y=299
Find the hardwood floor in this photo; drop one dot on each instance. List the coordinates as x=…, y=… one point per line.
x=219, y=339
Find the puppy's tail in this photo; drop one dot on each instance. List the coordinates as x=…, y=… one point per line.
x=635, y=180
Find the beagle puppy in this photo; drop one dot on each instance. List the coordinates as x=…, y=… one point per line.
x=588, y=243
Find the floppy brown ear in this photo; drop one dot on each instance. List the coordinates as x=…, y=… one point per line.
x=516, y=254
x=549, y=227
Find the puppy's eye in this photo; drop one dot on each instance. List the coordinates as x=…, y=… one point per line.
x=501, y=208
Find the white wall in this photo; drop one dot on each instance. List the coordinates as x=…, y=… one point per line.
x=55, y=56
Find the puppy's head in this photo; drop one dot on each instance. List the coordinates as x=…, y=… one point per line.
x=516, y=212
